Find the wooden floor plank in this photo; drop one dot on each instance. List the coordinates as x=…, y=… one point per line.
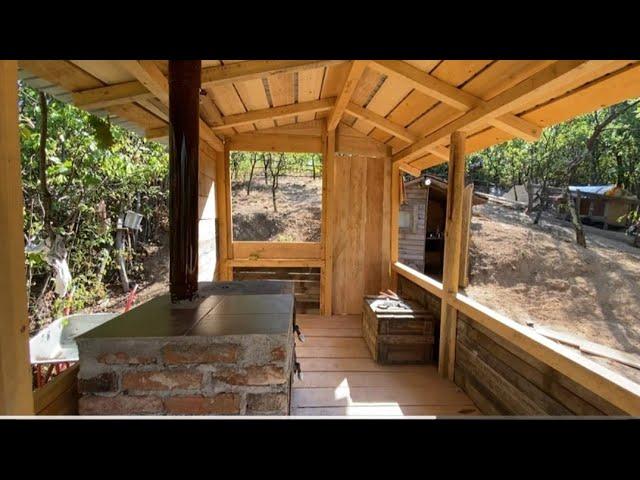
x=346, y=342
x=336, y=397
x=372, y=379
x=353, y=365
x=332, y=352
x=336, y=321
x=388, y=411
x=340, y=378
x=333, y=332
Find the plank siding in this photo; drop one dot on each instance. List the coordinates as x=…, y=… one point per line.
x=502, y=379
x=358, y=233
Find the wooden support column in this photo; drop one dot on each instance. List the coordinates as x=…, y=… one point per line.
x=452, y=243
x=16, y=397
x=395, y=213
x=328, y=182
x=184, y=118
x=223, y=224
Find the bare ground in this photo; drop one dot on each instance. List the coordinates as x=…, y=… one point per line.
x=537, y=273
x=298, y=200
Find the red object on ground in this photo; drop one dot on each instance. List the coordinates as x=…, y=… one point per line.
x=131, y=298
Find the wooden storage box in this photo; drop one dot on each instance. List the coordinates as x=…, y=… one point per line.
x=397, y=331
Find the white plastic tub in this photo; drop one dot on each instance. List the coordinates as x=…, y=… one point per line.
x=55, y=342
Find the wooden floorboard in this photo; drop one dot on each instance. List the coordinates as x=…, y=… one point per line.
x=341, y=379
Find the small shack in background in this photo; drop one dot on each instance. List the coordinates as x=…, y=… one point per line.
x=421, y=225
x=605, y=204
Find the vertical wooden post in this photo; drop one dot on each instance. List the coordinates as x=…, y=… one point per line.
x=328, y=179
x=452, y=242
x=184, y=125
x=221, y=214
x=16, y=397
x=385, y=258
x=395, y=212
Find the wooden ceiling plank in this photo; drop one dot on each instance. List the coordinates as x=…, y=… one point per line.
x=533, y=87
x=353, y=77
x=276, y=113
x=282, y=90
x=254, y=97
x=252, y=69
x=309, y=87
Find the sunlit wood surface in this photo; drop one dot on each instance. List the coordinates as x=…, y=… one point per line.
x=341, y=379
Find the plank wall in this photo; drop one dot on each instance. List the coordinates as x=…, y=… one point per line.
x=502, y=379
x=206, y=213
x=358, y=231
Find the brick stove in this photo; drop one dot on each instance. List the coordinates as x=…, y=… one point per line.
x=231, y=352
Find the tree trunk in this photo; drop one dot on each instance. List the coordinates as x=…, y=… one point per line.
x=42, y=157
x=575, y=219
x=313, y=166
x=253, y=166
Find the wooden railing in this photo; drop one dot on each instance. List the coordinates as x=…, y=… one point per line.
x=611, y=386
x=59, y=396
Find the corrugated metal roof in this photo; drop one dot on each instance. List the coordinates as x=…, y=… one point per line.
x=593, y=189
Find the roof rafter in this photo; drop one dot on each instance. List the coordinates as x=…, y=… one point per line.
x=455, y=97
x=149, y=75
x=274, y=113
x=547, y=80
x=101, y=97
x=381, y=122
x=356, y=70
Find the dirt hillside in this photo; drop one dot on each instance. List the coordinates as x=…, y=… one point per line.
x=538, y=273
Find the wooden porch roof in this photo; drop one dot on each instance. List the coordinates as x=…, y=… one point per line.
x=411, y=106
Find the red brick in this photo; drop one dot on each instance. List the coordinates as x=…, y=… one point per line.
x=162, y=380
x=258, y=403
x=119, y=405
x=105, y=382
x=278, y=354
x=216, y=353
x=256, y=375
x=221, y=404
x=123, y=358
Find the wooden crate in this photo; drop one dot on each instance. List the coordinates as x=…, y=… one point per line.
x=403, y=333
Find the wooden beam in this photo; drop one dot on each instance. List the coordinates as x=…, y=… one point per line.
x=275, y=113
x=15, y=368
x=455, y=97
x=273, y=142
x=252, y=69
x=149, y=75
x=394, y=216
x=328, y=219
x=427, y=84
x=381, y=122
x=118, y=94
x=208, y=110
x=531, y=89
x=156, y=133
x=518, y=127
x=154, y=106
x=356, y=70
x=452, y=243
x=411, y=170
